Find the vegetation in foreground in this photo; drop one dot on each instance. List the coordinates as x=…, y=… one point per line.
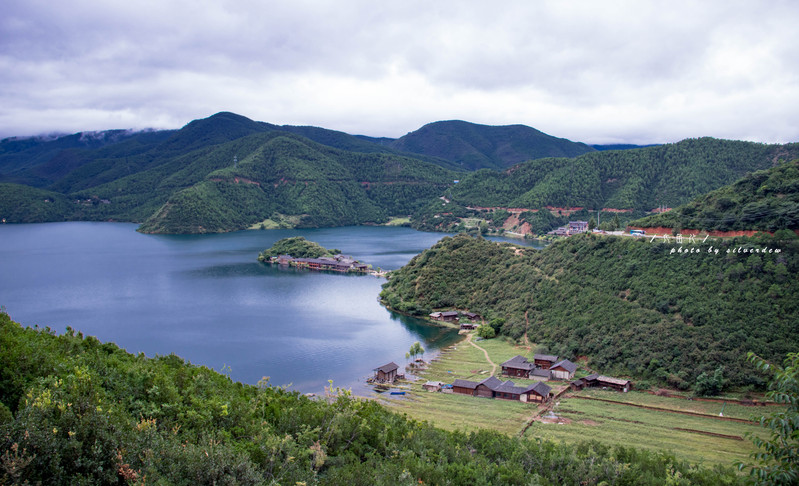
x=74, y=410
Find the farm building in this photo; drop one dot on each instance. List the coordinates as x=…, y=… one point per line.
x=433, y=386
x=471, y=316
x=545, y=360
x=492, y=387
x=487, y=387
x=386, y=373
x=468, y=325
x=517, y=366
x=595, y=380
x=541, y=374
x=563, y=370
x=464, y=387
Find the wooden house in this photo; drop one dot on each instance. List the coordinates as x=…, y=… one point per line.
x=446, y=316
x=386, y=373
x=545, y=360
x=541, y=374
x=538, y=392
x=563, y=370
x=517, y=366
x=600, y=381
x=464, y=387
x=468, y=325
x=471, y=316
x=487, y=387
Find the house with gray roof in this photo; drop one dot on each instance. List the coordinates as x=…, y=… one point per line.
x=563, y=370
x=517, y=366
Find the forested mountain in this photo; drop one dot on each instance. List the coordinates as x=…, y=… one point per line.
x=643, y=178
x=132, y=179
x=766, y=200
x=289, y=175
x=74, y=410
x=474, y=146
x=629, y=306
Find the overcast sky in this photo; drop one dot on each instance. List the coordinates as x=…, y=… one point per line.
x=591, y=71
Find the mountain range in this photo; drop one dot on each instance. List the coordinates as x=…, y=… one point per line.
x=227, y=172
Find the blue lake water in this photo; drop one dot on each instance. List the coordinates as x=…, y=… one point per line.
x=207, y=299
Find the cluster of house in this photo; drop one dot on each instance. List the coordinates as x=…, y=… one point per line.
x=493, y=387
x=572, y=228
x=337, y=263
x=543, y=367
x=454, y=316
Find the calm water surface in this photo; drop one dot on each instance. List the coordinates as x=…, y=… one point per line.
x=207, y=299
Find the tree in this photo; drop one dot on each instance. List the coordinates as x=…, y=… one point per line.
x=591, y=223
x=416, y=349
x=486, y=332
x=777, y=462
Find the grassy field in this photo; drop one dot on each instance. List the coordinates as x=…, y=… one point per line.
x=690, y=437
x=576, y=417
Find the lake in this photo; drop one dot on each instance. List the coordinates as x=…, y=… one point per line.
x=207, y=299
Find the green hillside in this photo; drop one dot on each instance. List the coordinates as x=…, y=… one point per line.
x=766, y=200
x=630, y=306
x=177, y=180
x=636, y=181
x=74, y=410
x=474, y=146
x=25, y=204
x=285, y=174
x=643, y=178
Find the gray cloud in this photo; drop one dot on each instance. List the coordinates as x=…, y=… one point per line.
x=635, y=72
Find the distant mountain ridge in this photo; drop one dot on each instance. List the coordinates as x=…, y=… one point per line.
x=474, y=146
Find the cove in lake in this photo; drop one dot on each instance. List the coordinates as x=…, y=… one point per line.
x=207, y=299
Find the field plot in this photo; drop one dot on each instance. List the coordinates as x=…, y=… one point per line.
x=617, y=418
x=452, y=411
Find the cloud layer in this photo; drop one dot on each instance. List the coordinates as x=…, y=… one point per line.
x=631, y=72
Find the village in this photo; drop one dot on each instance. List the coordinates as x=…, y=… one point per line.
x=543, y=368
x=510, y=387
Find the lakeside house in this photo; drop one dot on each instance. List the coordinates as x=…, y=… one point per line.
x=600, y=381
x=492, y=387
x=386, y=373
x=446, y=316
